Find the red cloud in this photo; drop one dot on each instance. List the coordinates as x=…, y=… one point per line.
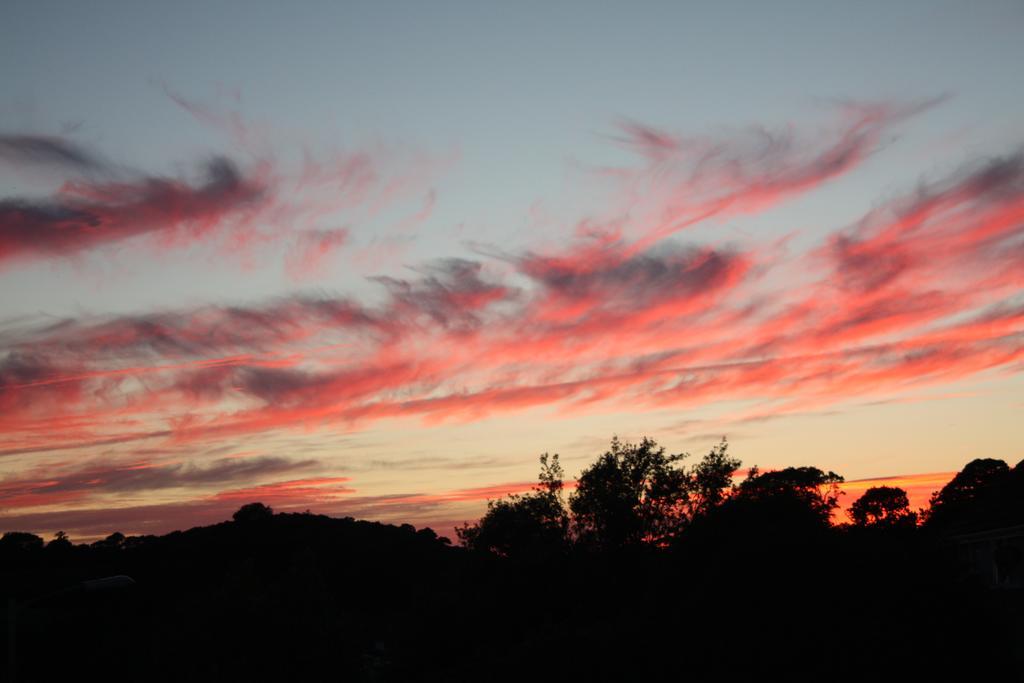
x=64, y=483
x=291, y=493
x=236, y=207
x=920, y=291
x=689, y=181
x=84, y=215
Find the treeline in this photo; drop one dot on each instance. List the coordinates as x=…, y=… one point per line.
x=653, y=567
x=639, y=495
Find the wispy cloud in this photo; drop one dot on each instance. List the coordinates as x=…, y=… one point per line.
x=54, y=485
x=923, y=290
x=688, y=181
x=235, y=203
x=48, y=151
x=311, y=251
x=87, y=214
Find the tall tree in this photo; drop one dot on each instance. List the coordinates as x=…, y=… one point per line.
x=634, y=493
x=711, y=479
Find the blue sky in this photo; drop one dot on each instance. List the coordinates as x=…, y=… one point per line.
x=494, y=130
x=522, y=93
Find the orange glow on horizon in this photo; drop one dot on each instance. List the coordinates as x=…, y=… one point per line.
x=919, y=488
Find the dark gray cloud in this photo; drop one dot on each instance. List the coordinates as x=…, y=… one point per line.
x=669, y=272
x=17, y=369
x=25, y=380
x=864, y=267
x=450, y=292
x=144, y=477
x=92, y=214
x=79, y=445
x=41, y=150
x=276, y=384
x=210, y=330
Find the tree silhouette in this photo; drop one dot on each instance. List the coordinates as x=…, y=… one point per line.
x=59, y=543
x=18, y=541
x=883, y=506
x=711, y=479
x=634, y=493
x=310, y=597
x=112, y=542
x=533, y=523
x=807, y=487
x=963, y=500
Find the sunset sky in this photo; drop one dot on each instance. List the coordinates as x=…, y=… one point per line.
x=373, y=259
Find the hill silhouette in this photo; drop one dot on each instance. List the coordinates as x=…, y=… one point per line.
x=650, y=569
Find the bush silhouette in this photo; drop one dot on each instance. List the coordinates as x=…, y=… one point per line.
x=252, y=512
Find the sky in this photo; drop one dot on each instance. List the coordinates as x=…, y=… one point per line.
x=373, y=259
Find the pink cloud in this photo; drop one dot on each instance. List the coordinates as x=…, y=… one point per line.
x=84, y=215
x=312, y=250
x=691, y=180
x=236, y=206
x=918, y=293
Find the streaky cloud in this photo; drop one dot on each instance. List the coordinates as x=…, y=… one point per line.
x=56, y=485
x=48, y=151
x=922, y=291
x=85, y=215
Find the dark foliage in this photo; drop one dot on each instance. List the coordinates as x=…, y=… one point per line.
x=653, y=570
x=800, y=487
x=637, y=494
x=632, y=494
x=532, y=524
x=986, y=493
x=253, y=513
x=883, y=506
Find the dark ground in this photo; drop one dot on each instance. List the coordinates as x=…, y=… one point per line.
x=311, y=598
